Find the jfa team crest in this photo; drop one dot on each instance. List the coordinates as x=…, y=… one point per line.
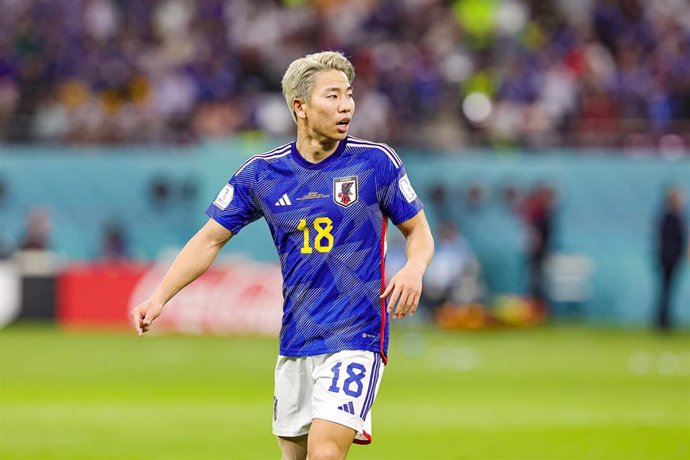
x=345, y=190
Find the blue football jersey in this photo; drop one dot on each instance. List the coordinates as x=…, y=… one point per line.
x=328, y=222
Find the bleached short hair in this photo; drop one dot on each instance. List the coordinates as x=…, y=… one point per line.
x=299, y=77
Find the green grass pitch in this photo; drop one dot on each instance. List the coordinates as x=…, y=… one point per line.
x=547, y=393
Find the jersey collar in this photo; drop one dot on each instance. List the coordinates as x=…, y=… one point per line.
x=321, y=164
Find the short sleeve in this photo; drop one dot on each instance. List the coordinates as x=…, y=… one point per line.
x=397, y=197
x=236, y=204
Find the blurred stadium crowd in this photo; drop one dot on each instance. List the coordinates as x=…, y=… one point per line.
x=443, y=74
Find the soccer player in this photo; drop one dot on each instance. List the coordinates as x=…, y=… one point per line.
x=327, y=198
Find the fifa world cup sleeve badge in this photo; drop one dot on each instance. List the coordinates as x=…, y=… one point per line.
x=224, y=197
x=406, y=189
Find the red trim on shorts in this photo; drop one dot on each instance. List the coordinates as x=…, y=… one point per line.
x=363, y=442
x=383, y=288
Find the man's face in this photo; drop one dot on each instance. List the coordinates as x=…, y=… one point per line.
x=330, y=107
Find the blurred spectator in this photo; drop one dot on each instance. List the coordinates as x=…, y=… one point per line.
x=437, y=73
x=538, y=213
x=475, y=196
x=37, y=230
x=510, y=196
x=115, y=246
x=671, y=237
x=454, y=276
x=439, y=200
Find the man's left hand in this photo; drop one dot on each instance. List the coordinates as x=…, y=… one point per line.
x=404, y=290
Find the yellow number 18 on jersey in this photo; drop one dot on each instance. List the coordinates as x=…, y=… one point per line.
x=323, y=227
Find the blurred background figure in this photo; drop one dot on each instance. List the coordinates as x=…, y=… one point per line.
x=454, y=275
x=538, y=213
x=115, y=245
x=671, y=237
x=36, y=234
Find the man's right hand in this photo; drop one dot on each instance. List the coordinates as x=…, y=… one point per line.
x=144, y=314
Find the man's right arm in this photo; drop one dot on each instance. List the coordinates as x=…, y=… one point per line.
x=192, y=262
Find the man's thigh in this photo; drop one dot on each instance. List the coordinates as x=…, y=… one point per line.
x=294, y=448
x=329, y=440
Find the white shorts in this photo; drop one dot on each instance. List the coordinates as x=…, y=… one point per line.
x=338, y=387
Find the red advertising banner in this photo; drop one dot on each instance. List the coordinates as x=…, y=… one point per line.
x=242, y=297
x=96, y=294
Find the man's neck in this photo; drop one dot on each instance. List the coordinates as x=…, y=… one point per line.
x=315, y=150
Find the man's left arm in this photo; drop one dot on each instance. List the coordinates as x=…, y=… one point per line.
x=405, y=287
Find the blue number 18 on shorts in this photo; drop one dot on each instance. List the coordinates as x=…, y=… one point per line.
x=338, y=387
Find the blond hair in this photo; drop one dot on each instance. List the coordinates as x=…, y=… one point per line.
x=299, y=77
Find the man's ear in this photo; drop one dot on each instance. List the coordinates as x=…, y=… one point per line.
x=298, y=107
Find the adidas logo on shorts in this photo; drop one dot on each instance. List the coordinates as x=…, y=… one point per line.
x=349, y=408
